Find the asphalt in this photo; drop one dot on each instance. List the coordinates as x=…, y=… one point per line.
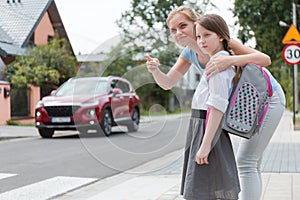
x=280, y=171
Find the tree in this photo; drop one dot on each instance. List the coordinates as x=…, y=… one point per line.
x=119, y=61
x=51, y=64
x=259, y=20
x=145, y=24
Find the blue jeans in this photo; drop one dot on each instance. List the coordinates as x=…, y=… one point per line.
x=249, y=152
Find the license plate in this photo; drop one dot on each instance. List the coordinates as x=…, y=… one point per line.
x=60, y=119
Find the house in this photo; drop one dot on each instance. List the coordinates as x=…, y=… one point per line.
x=23, y=24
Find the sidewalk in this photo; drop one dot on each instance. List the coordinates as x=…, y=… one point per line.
x=7, y=132
x=280, y=166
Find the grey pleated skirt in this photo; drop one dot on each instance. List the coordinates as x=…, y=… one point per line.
x=218, y=179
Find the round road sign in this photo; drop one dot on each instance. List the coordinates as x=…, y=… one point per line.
x=291, y=54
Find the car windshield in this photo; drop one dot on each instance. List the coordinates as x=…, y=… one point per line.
x=83, y=87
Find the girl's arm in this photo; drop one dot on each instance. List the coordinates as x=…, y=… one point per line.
x=218, y=89
x=242, y=56
x=169, y=80
x=214, y=119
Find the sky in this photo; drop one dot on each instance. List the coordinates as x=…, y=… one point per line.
x=89, y=23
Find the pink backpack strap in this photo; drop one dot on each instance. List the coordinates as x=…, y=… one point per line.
x=270, y=90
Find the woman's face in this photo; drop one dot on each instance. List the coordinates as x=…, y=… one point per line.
x=208, y=41
x=182, y=29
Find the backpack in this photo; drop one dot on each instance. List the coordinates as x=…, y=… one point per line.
x=248, y=102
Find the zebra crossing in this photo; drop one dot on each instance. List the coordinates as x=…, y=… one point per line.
x=6, y=175
x=44, y=189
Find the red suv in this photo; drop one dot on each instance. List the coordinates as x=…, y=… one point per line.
x=86, y=103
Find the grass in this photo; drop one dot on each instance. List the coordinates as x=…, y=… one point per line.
x=15, y=123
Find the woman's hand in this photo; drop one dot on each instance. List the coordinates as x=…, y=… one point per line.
x=202, y=154
x=152, y=63
x=217, y=64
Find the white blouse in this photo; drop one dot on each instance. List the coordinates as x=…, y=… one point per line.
x=215, y=91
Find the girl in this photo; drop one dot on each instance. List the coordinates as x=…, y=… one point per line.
x=210, y=170
x=250, y=151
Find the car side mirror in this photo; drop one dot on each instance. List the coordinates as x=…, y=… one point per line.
x=116, y=91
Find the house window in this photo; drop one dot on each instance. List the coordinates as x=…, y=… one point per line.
x=50, y=38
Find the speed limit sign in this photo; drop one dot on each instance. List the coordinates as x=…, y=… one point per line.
x=291, y=54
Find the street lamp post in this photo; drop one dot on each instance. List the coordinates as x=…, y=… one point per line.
x=295, y=69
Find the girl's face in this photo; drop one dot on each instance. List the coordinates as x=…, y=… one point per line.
x=182, y=29
x=208, y=41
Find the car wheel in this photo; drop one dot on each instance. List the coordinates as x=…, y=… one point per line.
x=106, y=122
x=134, y=124
x=46, y=133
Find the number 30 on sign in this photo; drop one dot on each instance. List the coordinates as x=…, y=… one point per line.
x=291, y=54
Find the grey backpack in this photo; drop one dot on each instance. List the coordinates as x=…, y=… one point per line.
x=248, y=102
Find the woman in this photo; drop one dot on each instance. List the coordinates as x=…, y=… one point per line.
x=181, y=24
x=249, y=154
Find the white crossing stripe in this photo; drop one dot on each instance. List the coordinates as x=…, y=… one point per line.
x=148, y=187
x=46, y=189
x=6, y=175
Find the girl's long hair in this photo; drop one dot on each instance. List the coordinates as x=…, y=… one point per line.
x=217, y=24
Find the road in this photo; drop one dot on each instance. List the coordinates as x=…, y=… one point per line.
x=45, y=168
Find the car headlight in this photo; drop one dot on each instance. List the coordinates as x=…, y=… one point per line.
x=38, y=114
x=91, y=112
x=92, y=103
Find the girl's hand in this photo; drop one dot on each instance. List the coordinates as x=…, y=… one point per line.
x=217, y=64
x=152, y=63
x=202, y=155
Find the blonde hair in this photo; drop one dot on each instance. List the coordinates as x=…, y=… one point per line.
x=186, y=11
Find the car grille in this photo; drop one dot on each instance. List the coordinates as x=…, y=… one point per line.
x=61, y=111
